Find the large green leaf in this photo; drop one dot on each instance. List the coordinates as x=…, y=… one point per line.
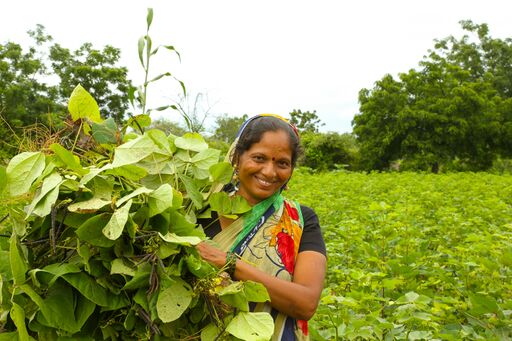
x=18, y=263
x=160, y=199
x=175, y=239
x=138, y=191
x=92, y=231
x=83, y=105
x=115, y=225
x=192, y=191
x=42, y=204
x=94, y=292
x=70, y=160
x=106, y=131
x=61, y=308
x=220, y=202
x=251, y=326
x=173, y=301
x=102, y=196
x=22, y=170
x=136, y=150
x=206, y=158
x=221, y=172
x=483, y=304
x=18, y=317
x=191, y=141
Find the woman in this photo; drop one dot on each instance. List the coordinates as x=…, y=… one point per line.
x=278, y=243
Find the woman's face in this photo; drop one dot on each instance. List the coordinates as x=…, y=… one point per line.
x=265, y=167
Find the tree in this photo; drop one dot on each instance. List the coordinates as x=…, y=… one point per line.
x=329, y=151
x=168, y=126
x=306, y=121
x=97, y=72
x=226, y=127
x=453, y=111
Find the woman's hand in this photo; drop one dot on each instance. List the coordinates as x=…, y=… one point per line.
x=299, y=298
x=211, y=254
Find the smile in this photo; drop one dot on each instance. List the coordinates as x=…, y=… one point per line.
x=264, y=182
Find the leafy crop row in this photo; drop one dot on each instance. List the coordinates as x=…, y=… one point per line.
x=413, y=256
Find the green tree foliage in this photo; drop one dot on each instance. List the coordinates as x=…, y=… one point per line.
x=168, y=126
x=226, y=127
x=455, y=111
x=23, y=98
x=328, y=151
x=307, y=121
x=97, y=71
x=27, y=92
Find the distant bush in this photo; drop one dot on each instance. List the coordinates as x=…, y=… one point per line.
x=329, y=151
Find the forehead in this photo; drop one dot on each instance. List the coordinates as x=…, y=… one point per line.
x=276, y=143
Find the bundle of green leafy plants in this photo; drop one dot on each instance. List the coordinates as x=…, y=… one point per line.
x=98, y=240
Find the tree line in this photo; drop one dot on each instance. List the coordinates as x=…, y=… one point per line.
x=453, y=112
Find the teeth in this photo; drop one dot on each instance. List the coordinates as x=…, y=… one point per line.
x=266, y=183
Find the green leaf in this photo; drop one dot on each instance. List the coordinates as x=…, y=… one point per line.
x=160, y=199
x=5, y=268
x=18, y=317
x=173, y=301
x=3, y=179
x=160, y=139
x=83, y=105
x=42, y=204
x=140, y=279
x=102, y=196
x=255, y=292
x=192, y=191
x=483, y=304
x=175, y=239
x=137, y=121
x=94, y=292
x=19, y=266
x=149, y=17
x=61, y=309
x=138, y=149
x=130, y=172
x=55, y=271
x=138, y=191
x=220, y=202
x=221, y=172
x=140, y=46
x=92, y=231
x=70, y=160
x=206, y=158
x=22, y=170
x=210, y=332
x=191, y=141
x=234, y=296
x=105, y=132
x=251, y=326
x=239, y=205
x=119, y=267
x=115, y=225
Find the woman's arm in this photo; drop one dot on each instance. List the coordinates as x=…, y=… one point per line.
x=299, y=298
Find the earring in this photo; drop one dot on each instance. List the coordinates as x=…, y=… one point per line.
x=235, y=180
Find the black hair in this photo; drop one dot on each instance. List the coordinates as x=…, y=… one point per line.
x=257, y=127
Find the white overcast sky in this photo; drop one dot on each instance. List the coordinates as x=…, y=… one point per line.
x=250, y=57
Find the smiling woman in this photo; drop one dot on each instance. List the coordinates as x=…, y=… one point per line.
x=278, y=242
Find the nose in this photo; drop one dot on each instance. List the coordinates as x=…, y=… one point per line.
x=269, y=170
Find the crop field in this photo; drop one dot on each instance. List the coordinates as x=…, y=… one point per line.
x=413, y=256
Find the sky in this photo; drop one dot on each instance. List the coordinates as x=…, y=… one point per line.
x=250, y=57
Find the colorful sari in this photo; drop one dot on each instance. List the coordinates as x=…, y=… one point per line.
x=268, y=237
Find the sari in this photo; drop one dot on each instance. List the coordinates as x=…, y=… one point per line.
x=268, y=237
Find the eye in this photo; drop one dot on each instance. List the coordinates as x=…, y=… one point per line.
x=283, y=164
x=258, y=158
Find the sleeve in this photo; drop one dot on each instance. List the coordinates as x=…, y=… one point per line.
x=311, y=239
